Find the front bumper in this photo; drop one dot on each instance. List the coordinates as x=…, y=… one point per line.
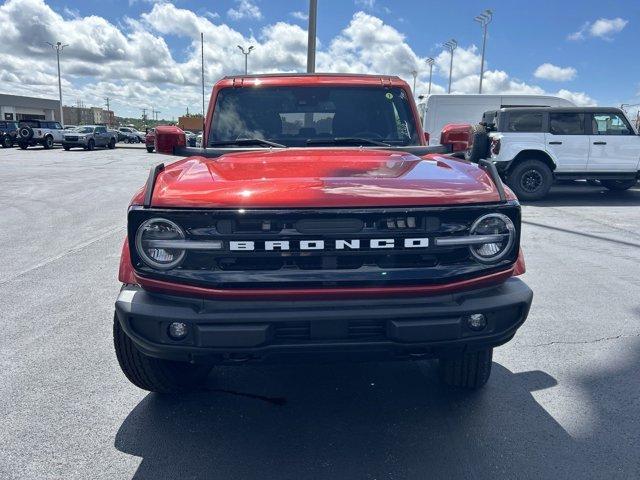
x=76, y=143
x=228, y=331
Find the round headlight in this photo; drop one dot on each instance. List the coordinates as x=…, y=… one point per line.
x=155, y=243
x=499, y=232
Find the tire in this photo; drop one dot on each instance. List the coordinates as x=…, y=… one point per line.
x=530, y=179
x=7, y=141
x=91, y=145
x=25, y=133
x=47, y=143
x=66, y=147
x=112, y=144
x=619, y=185
x=150, y=149
x=479, y=148
x=470, y=371
x=23, y=146
x=154, y=374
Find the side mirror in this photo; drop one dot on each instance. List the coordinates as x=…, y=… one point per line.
x=457, y=136
x=168, y=138
x=426, y=137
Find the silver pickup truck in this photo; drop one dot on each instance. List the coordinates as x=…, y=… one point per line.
x=90, y=137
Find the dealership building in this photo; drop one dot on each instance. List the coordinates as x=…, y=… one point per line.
x=15, y=107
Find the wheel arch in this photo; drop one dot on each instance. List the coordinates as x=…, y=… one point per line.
x=530, y=154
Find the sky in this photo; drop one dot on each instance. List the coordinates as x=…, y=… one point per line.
x=146, y=54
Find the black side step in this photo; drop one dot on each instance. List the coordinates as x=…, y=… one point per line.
x=151, y=183
x=493, y=172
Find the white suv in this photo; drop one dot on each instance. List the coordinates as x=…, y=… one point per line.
x=532, y=146
x=39, y=132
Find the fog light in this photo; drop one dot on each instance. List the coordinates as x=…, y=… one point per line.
x=178, y=330
x=477, y=321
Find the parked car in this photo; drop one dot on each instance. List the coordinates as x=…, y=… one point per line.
x=131, y=135
x=39, y=132
x=341, y=236
x=191, y=138
x=199, y=140
x=150, y=140
x=532, y=147
x=439, y=110
x=8, y=133
x=89, y=137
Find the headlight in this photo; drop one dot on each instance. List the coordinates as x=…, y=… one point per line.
x=499, y=231
x=155, y=243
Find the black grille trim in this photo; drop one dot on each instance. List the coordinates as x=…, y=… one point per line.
x=329, y=267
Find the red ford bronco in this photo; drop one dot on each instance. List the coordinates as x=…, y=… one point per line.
x=315, y=223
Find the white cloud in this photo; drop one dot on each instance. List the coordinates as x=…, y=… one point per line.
x=300, y=15
x=602, y=28
x=132, y=64
x=548, y=71
x=245, y=9
x=579, y=98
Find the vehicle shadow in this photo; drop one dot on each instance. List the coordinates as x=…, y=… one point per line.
x=365, y=420
x=581, y=194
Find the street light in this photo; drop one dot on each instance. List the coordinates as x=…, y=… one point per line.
x=451, y=45
x=246, y=56
x=415, y=75
x=484, y=19
x=430, y=62
x=58, y=47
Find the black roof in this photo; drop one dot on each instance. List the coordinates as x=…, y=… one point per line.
x=562, y=109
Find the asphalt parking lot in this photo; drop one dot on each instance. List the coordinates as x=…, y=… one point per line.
x=563, y=400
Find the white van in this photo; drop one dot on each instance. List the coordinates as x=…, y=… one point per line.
x=438, y=110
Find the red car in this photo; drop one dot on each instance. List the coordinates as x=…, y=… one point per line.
x=150, y=140
x=316, y=223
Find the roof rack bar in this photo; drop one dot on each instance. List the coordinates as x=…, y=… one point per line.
x=493, y=172
x=151, y=183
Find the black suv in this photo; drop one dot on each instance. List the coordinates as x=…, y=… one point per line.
x=8, y=133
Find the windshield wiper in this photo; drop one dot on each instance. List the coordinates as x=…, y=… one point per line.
x=247, y=141
x=347, y=140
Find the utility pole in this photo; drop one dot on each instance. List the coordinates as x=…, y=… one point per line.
x=451, y=45
x=58, y=47
x=108, y=113
x=484, y=19
x=415, y=76
x=203, y=145
x=430, y=62
x=311, y=41
x=246, y=57
x=144, y=115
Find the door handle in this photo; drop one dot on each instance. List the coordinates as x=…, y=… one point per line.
x=599, y=143
x=555, y=143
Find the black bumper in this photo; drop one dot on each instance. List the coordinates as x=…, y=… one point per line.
x=228, y=331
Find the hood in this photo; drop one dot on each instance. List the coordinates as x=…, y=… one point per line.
x=321, y=177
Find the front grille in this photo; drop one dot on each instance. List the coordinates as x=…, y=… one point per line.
x=71, y=139
x=338, y=262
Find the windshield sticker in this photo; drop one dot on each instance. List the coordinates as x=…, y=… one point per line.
x=389, y=96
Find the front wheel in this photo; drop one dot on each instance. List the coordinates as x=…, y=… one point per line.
x=23, y=146
x=618, y=185
x=48, y=142
x=112, y=144
x=530, y=179
x=91, y=145
x=470, y=371
x=150, y=149
x=154, y=374
x=66, y=147
x=7, y=141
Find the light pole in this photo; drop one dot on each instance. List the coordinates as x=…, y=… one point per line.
x=430, y=62
x=311, y=40
x=415, y=75
x=451, y=45
x=246, y=56
x=58, y=47
x=484, y=19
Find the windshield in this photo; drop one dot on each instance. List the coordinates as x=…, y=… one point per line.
x=84, y=130
x=301, y=116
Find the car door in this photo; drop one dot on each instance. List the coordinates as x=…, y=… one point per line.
x=567, y=141
x=100, y=136
x=614, y=146
x=57, y=131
